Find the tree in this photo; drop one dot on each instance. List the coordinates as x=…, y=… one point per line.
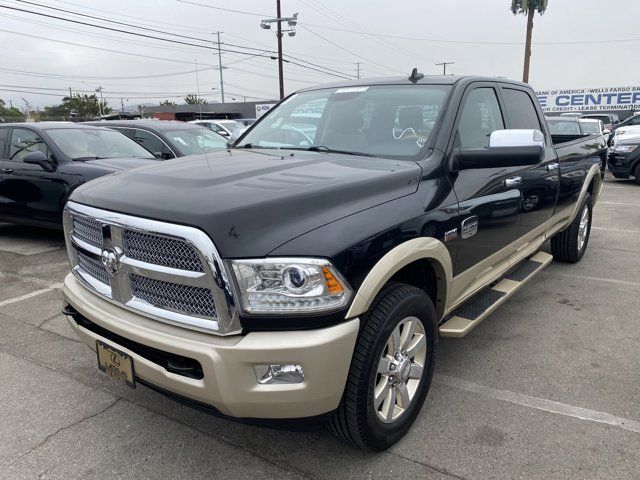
x=77, y=106
x=193, y=99
x=8, y=112
x=167, y=103
x=528, y=7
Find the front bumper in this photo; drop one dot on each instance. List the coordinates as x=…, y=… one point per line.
x=228, y=382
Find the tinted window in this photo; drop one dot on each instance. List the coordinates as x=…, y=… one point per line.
x=25, y=141
x=481, y=115
x=568, y=127
x=520, y=109
x=150, y=142
x=91, y=143
x=3, y=142
x=635, y=120
x=194, y=141
x=591, y=127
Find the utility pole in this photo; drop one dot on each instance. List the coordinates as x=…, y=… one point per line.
x=444, y=66
x=99, y=89
x=70, y=94
x=122, y=104
x=220, y=68
x=280, y=67
x=358, y=69
x=266, y=24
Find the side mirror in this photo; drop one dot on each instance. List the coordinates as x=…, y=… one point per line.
x=507, y=148
x=38, y=158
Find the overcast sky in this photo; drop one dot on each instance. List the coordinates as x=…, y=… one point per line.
x=481, y=37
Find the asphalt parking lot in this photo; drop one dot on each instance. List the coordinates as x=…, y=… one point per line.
x=547, y=387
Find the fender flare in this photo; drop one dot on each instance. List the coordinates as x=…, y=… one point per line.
x=593, y=174
x=393, y=261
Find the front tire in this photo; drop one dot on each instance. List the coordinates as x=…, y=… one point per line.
x=391, y=369
x=570, y=244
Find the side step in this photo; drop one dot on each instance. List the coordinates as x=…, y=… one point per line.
x=480, y=306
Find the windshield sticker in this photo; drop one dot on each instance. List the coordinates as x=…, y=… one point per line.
x=421, y=141
x=351, y=90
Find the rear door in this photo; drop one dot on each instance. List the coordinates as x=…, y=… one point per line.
x=30, y=190
x=489, y=198
x=539, y=183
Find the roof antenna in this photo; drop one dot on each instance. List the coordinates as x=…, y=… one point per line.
x=415, y=76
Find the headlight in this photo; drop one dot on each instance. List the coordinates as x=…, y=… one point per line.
x=290, y=285
x=625, y=148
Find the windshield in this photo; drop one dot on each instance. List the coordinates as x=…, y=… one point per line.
x=390, y=121
x=85, y=143
x=235, y=127
x=590, y=127
x=194, y=141
x=569, y=127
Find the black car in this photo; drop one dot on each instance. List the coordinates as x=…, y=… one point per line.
x=42, y=163
x=624, y=160
x=168, y=138
x=608, y=119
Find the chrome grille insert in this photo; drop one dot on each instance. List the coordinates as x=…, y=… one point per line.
x=88, y=230
x=160, y=250
x=93, y=267
x=173, y=296
x=167, y=272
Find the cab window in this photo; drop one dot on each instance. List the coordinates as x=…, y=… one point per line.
x=152, y=143
x=25, y=141
x=481, y=115
x=520, y=109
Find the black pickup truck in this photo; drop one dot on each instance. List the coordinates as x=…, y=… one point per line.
x=308, y=272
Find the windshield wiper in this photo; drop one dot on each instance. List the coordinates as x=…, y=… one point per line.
x=324, y=149
x=82, y=159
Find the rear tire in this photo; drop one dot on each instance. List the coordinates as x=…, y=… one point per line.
x=637, y=173
x=570, y=244
x=391, y=369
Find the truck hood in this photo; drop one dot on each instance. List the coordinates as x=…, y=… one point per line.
x=122, y=164
x=252, y=201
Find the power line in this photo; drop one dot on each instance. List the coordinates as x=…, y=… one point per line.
x=169, y=40
x=225, y=9
x=467, y=42
x=346, y=50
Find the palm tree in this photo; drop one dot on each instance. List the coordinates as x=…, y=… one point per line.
x=529, y=8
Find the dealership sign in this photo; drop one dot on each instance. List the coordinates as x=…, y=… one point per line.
x=262, y=108
x=583, y=99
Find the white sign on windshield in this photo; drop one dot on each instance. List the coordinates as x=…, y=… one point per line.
x=587, y=99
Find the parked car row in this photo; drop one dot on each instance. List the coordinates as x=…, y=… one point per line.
x=41, y=164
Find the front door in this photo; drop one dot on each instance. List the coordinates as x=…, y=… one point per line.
x=30, y=190
x=489, y=198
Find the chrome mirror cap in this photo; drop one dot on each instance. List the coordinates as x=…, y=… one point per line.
x=517, y=138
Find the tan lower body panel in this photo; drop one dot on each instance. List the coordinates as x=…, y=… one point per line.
x=460, y=324
x=229, y=382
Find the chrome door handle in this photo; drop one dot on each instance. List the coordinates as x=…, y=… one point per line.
x=553, y=166
x=513, y=182
x=7, y=170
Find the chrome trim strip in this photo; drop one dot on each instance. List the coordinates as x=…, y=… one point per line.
x=214, y=277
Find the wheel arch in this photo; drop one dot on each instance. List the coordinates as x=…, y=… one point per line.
x=421, y=262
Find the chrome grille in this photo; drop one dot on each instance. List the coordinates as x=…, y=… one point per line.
x=88, y=230
x=173, y=296
x=194, y=294
x=93, y=267
x=160, y=250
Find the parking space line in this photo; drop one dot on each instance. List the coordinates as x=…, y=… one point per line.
x=596, y=279
x=4, y=303
x=541, y=403
x=619, y=203
x=615, y=230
